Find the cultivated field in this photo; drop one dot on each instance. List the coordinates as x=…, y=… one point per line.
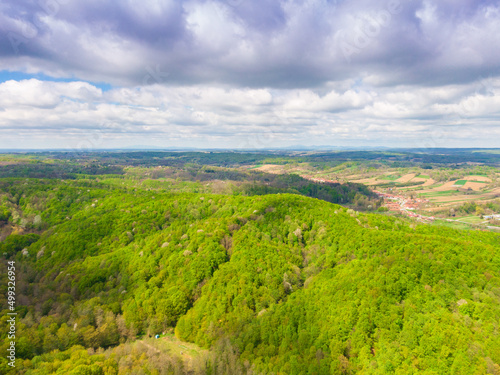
x=439, y=188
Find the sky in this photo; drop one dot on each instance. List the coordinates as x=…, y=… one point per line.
x=87, y=75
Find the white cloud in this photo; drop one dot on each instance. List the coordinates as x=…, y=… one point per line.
x=34, y=93
x=273, y=70
x=71, y=111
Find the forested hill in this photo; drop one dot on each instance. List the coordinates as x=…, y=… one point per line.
x=286, y=283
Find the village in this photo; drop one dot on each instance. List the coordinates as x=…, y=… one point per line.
x=404, y=205
x=396, y=202
x=393, y=202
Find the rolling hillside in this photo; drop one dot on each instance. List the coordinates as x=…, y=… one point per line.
x=280, y=284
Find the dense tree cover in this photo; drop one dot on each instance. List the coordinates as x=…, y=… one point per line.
x=330, y=192
x=408, y=157
x=399, y=184
x=288, y=284
x=167, y=158
x=40, y=203
x=470, y=208
x=459, y=172
x=107, y=161
x=241, y=181
x=15, y=242
x=45, y=169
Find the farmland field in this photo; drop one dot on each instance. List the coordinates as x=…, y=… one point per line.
x=389, y=177
x=444, y=188
x=471, y=219
x=452, y=224
x=406, y=178
x=443, y=193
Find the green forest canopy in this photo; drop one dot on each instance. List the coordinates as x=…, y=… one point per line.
x=290, y=284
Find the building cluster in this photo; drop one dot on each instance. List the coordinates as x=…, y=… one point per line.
x=404, y=205
x=394, y=202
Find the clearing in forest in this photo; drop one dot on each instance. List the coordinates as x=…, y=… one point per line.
x=171, y=345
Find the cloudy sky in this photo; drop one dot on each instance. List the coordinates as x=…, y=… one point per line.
x=249, y=73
